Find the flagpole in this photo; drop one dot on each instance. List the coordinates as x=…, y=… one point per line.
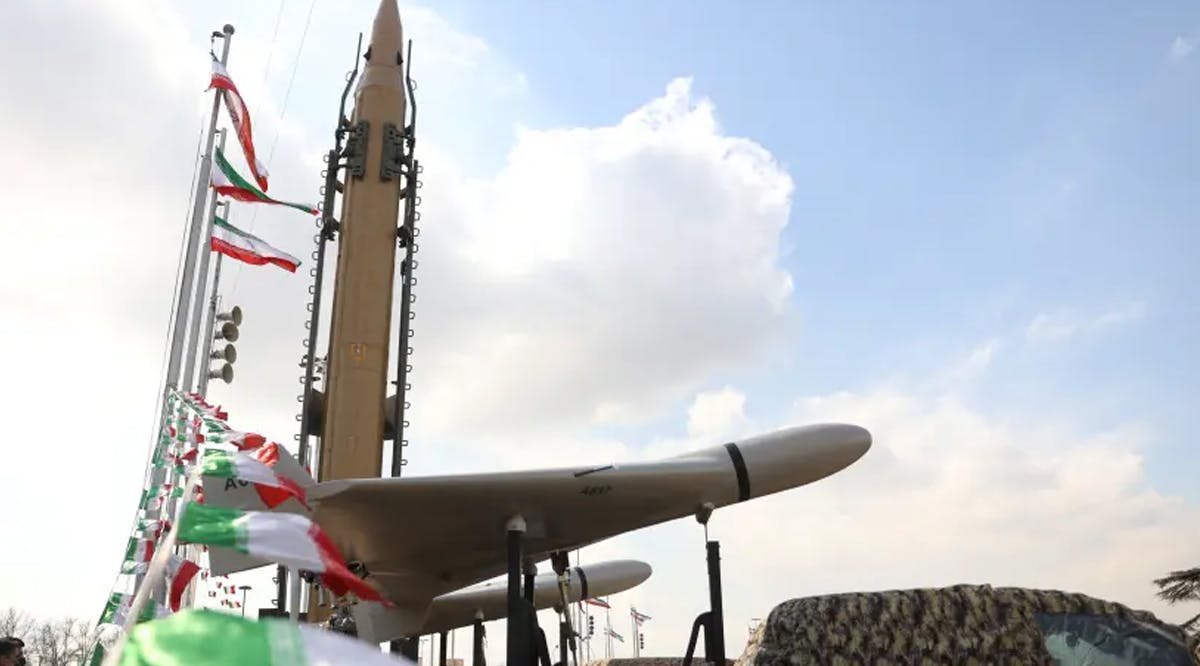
x=634, y=636
x=198, y=303
x=189, y=263
x=213, y=301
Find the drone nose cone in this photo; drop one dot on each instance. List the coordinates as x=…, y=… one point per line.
x=797, y=456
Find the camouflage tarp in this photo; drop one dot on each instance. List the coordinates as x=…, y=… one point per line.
x=964, y=624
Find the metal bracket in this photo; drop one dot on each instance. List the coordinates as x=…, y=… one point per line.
x=391, y=163
x=356, y=149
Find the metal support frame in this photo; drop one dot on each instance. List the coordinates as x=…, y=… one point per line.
x=442, y=640
x=406, y=235
x=183, y=309
x=713, y=619
x=198, y=345
x=518, y=644
x=327, y=226
x=214, y=302
x=478, y=658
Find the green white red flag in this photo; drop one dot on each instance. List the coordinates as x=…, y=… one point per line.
x=242, y=441
x=210, y=638
x=245, y=247
x=228, y=182
x=180, y=572
x=240, y=117
x=118, y=607
x=258, y=469
x=284, y=538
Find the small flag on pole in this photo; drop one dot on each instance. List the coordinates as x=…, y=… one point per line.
x=240, y=116
x=229, y=183
x=638, y=617
x=284, y=538
x=598, y=601
x=248, y=248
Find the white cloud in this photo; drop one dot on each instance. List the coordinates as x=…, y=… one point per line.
x=1067, y=324
x=1180, y=48
x=602, y=272
x=598, y=276
x=715, y=414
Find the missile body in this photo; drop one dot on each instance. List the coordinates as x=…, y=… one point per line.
x=490, y=600
x=352, y=436
x=352, y=430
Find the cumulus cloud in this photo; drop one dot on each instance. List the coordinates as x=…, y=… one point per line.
x=716, y=413
x=600, y=273
x=598, y=276
x=947, y=495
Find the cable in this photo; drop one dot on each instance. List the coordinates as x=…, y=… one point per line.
x=287, y=95
x=271, y=50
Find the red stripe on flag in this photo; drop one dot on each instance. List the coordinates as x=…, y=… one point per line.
x=337, y=576
x=239, y=115
x=187, y=570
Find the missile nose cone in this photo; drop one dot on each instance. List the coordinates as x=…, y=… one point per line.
x=386, y=34
x=796, y=456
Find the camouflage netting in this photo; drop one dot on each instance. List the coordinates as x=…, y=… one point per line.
x=965, y=624
x=653, y=661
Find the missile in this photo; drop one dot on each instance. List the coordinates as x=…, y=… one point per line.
x=779, y=460
x=490, y=600
x=360, y=320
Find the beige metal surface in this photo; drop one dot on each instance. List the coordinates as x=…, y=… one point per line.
x=352, y=441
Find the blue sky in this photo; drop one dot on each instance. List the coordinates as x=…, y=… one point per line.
x=959, y=170
x=990, y=236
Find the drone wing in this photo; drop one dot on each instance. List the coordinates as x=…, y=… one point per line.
x=421, y=537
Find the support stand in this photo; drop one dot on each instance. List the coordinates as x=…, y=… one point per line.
x=517, y=649
x=442, y=638
x=478, y=658
x=560, y=561
x=564, y=634
x=712, y=620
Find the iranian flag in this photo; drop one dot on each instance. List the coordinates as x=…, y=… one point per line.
x=237, y=244
x=272, y=488
x=139, y=550
x=180, y=572
x=242, y=441
x=240, y=117
x=283, y=538
x=228, y=182
x=119, y=605
x=212, y=638
x=597, y=601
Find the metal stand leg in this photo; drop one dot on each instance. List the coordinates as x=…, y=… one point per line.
x=564, y=634
x=409, y=648
x=517, y=650
x=712, y=620
x=543, y=649
x=478, y=658
x=716, y=623
x=443, y=639
x=537, y=638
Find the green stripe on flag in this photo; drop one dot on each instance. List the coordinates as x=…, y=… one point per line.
x=217, y=463
x=210, y=638
x=213, y=526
